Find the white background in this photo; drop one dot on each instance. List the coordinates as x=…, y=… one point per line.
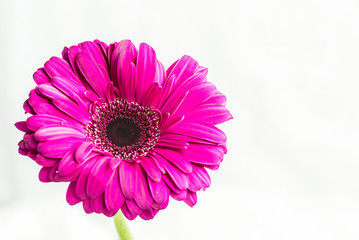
x=290, y=71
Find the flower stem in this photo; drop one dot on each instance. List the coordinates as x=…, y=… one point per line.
x=121, y=227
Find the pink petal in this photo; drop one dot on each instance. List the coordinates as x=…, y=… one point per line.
x=204, y=154
x=98, y=204
x=146, y=69
x=83, y=151
x=57, y=67
x=96, y=53
x=92, y=73
x=36, y=99
x=22, y=126
x=51, y=133
x=159, y=191
x=49, y=109
x=179, y=178
x=30, y=142
x=172, y=144
x=191, y=199
x=142, y=193
x=44, y=174
x=209, y=114
x=127, y=213
x=147, y=214
x=83, y=178
x=45, y=162
x=99, y=178
x=179, y=196
x=72, y=110
x=203, y=175
x=123, y=56
x=127, y=178
x=133, y=207
x=87, y=206
x=70, y=88
x=198, y=130
x=151, y=168
x=57, y=148
x=71, y=196
x=174, y=157
x=41, y=77
x=28, y=108
x=67, y=165
x=183, y=69
x=114, y=198
x=50, y=92
x=37, y=121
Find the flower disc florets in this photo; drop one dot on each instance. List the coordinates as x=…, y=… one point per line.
x=123, y=128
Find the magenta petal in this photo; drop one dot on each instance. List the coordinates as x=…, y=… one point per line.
x=67, y=164
x=88, y=207
x=98, y=204
x=99, y=178
x=49, y=133
x=179, y=178
x=127, y=213
x=22, y=126
x=95, y=52
x=195, y=182
x=45, y=162
x=36, y=99
x=203, y=175
x=92, y=74
x=48, y=109
x=197, y=130
x=114, y=198
x=191, y=198
x=127, y=178
x=183, y=69
x=50, y=92
x=57, y=148
x=133, y=207
x=28, y=108
x=83, y=151
x=70, y=88
x=57, y=67
x=204, y=154
x=159, y=191
x=209, y=114
x=71, y=196
x=176, y=158
x=41, y=77
x=179, y=196
x=151, y=168
x=142, y=193
x=30, y=142
x=83, y=178
x=72, y=110
x=44, y=174
x=146, y=69
x=37, y=121
x=147, y=214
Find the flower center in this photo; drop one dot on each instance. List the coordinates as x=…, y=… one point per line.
x=123, y=132
x=123, y=128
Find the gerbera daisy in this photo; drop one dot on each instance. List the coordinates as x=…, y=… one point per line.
x=125, y=132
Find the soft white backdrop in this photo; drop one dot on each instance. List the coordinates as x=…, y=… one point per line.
x=290, y=71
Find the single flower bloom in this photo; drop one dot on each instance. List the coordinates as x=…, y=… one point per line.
x=126, y=133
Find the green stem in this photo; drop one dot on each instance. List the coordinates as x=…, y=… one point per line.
x=121, y=227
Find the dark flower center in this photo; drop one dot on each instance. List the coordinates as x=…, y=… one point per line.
x=125, y=129
x=123, y=132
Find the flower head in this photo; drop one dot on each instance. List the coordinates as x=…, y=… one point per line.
x=126, y=133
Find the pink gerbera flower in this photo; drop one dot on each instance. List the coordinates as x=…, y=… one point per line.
x=125, y=132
